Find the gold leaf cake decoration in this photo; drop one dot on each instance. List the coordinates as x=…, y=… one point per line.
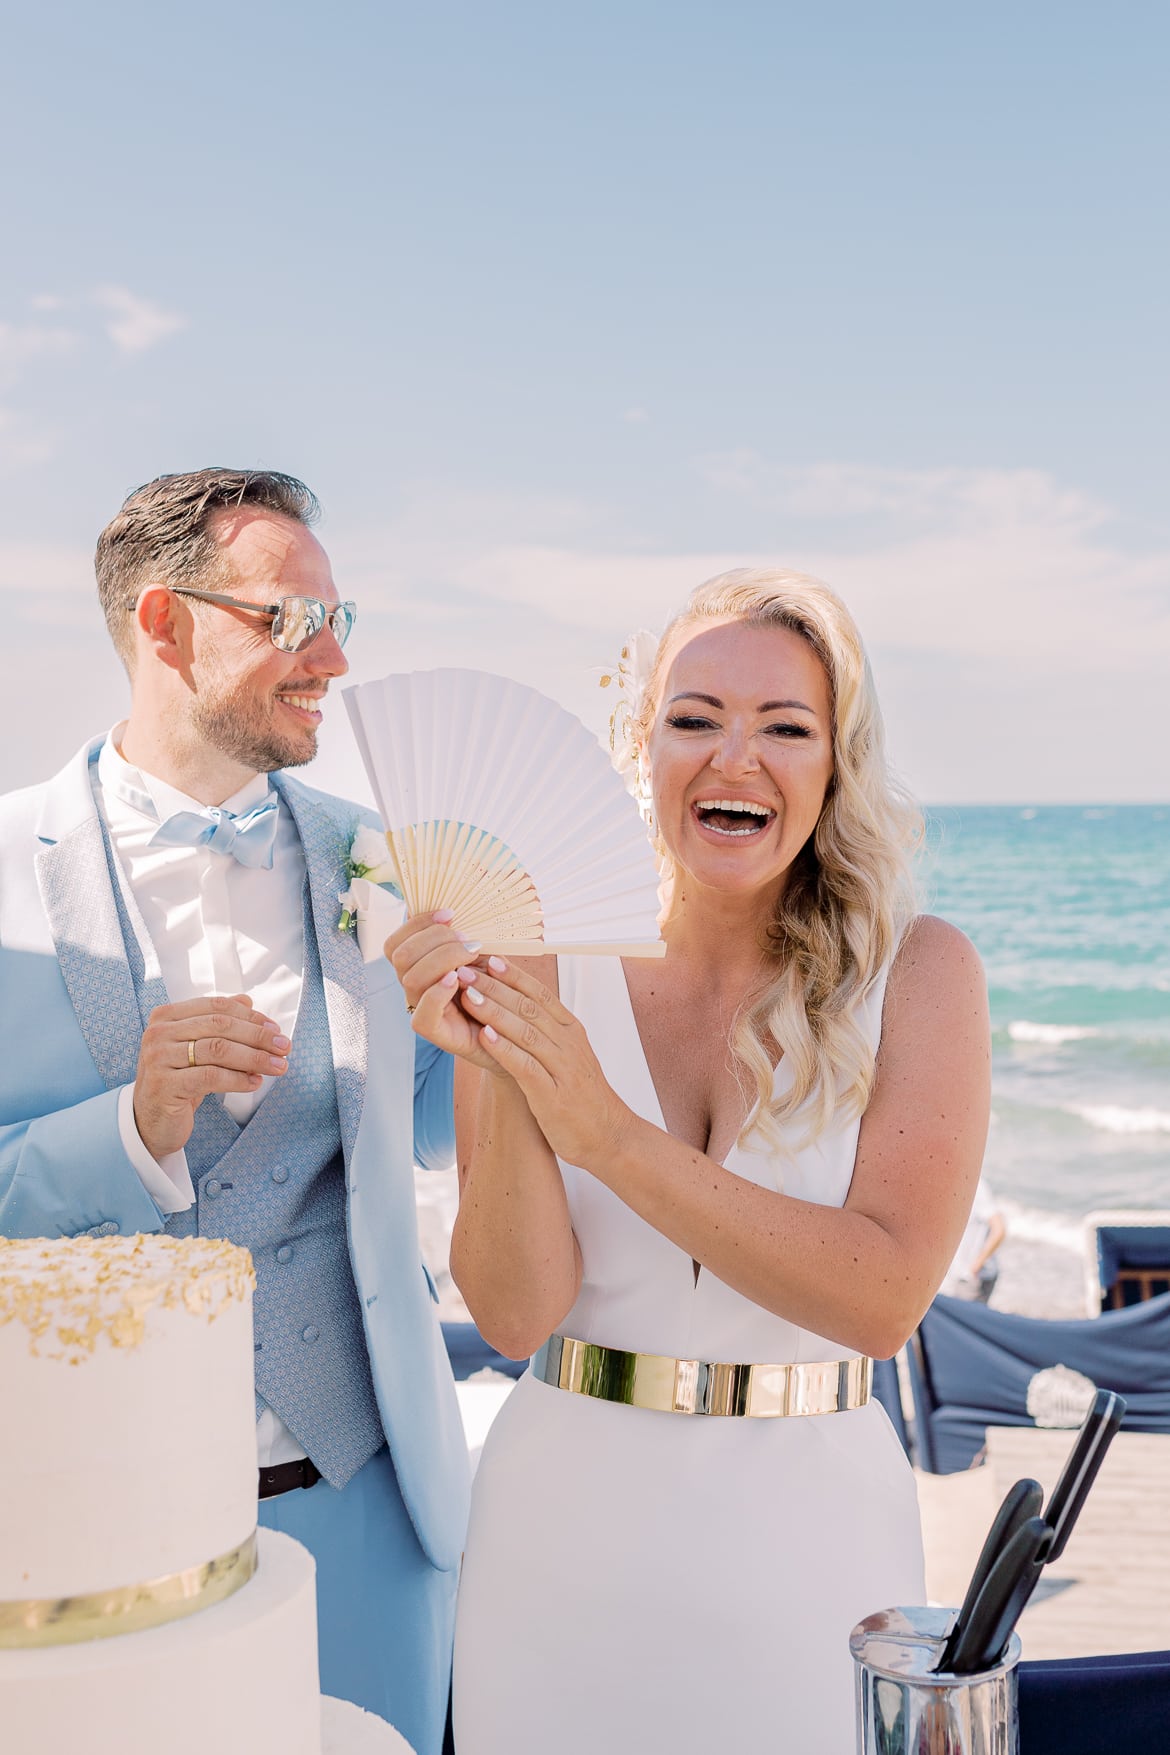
x=72, y=1293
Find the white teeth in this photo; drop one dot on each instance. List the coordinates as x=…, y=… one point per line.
x=736, y=804
x=309, y=703
x=737, y=807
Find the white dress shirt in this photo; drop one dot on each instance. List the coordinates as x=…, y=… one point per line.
x=213, y=926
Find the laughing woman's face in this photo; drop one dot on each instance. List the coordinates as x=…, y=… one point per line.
x=741, y=754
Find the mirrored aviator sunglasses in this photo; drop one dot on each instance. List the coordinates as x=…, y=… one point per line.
x=298, y=621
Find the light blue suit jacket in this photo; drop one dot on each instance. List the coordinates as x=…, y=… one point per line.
x=70, y=1028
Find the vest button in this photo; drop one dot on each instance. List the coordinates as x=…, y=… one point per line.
x=284, y=1253
x=280, y=1174
x=310, y=1333
x=212, y=1188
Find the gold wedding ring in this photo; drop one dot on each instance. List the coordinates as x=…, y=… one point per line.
x=191, y=1061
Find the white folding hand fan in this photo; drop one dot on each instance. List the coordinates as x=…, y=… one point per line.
x=503, y=807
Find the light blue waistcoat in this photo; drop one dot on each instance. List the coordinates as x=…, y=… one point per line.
x=277, y=1186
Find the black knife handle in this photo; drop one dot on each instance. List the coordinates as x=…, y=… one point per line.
x=1010, y=1583
x=1080, y=1471
x=1021, y=1501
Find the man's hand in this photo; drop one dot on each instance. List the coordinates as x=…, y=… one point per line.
x=193, y=1048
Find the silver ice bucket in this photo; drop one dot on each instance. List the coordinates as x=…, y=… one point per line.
x=904, y=1708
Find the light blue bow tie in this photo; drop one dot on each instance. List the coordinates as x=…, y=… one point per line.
x=249, y=838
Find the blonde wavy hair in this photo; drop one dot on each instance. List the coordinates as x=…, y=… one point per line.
x=850, y=893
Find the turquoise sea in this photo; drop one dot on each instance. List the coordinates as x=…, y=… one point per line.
x=1069, y=907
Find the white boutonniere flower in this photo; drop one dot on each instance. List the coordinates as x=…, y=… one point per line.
x=368, y=861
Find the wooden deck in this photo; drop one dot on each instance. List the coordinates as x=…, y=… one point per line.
x=1110, y=1591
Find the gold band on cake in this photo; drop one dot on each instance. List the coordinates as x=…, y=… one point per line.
x=697, y=1386
x=129, y=1609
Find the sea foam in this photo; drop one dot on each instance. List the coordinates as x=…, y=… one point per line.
x=1113, y=1118
x=1021, y=1030
x=1057, y=1230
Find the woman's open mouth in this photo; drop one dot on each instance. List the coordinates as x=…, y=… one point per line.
x=736, y=819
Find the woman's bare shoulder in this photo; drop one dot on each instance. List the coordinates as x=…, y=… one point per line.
x=936, y=967
x=931, y=946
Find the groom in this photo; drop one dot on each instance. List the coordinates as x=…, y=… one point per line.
x=193, y=1045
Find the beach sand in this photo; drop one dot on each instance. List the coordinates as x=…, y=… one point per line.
x=1040, y=1279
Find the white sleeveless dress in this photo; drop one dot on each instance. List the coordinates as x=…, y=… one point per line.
x=637, y=1581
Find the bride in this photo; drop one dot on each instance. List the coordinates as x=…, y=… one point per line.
x=704, y=1192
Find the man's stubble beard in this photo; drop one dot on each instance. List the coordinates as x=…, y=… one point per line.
x=233, y=723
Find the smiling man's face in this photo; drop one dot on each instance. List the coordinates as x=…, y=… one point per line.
x=256, y=704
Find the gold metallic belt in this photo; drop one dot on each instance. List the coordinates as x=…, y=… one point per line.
x=129, y=1609
x=695, y=1386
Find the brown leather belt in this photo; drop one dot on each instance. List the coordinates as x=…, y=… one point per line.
x=283, y=1477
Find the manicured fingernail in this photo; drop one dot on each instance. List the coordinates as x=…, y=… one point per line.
x=488, y=1034
x=471, y=946
x=442, y=917
x=474, y=995
x=497, y=965
x=465, y=973
x=276, y=1064
x=280, y=1042
x=450, y=980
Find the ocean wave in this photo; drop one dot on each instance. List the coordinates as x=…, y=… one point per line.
x=1021, y=1030
x=1113, y=1118
x=1056, y=1229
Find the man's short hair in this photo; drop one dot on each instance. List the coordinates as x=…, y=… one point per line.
x=162, y=533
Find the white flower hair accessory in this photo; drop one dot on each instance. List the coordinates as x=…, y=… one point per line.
x=632, y=677
x=367, y=857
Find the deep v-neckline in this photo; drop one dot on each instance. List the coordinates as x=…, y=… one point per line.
x=722, y=1162
x=653, y=1089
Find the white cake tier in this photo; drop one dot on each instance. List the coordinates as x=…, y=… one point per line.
x=126, y=1365
x=238, y=1679
x=347, y=1730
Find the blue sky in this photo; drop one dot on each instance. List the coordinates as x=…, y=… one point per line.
x=560, y=311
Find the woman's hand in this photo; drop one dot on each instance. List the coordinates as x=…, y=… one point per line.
x=427, y=955
x=528, y=1034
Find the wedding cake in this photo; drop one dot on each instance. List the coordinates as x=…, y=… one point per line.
x=141, y=1610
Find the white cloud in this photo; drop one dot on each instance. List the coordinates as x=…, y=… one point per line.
x=132, y=324
x=54, y=580
x=21, y=343
x=595, y=591
x=1022, y=652
x=23, y=440
x=979, y=563
x=20, y=443
x=951, y=500
x=135, y=324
